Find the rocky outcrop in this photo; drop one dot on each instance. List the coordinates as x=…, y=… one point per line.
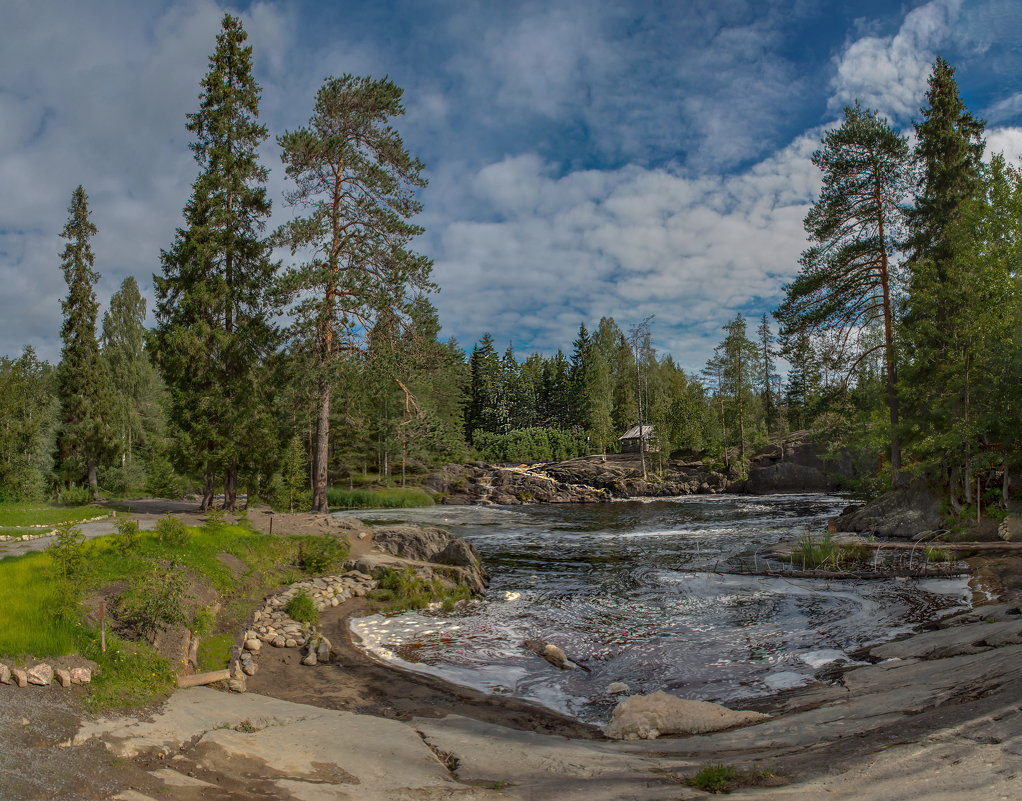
x=904, y=513
x=428, y=551
x=798, y=465
x=646, y=717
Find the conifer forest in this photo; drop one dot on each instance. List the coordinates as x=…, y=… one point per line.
x=278, y=363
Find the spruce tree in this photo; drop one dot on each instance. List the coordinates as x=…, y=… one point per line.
x=944, y=287
x=213, y=298
x=357, y=181
x=846, y=283
x=124, y=349
x=86, y=394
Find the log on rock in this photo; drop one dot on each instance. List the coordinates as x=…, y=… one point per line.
x=199, y=679
x=946, y=546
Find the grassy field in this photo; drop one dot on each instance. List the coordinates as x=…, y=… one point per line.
x=35, y=514
x=396, y=498
x=132, y=673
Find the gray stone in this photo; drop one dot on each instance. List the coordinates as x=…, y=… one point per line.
x=290, y=643
x=253, y=644
x=323, y=650
x=237, y=684
x=309, y=659
x=249, y=668
x=279, y=641
x=41, y=674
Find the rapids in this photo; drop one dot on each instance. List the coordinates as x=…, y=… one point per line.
x=625, y=588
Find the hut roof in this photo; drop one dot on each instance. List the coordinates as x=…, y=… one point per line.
x=633, y=432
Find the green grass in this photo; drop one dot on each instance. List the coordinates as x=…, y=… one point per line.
x=940, y=554
x=28, y=591
x=399, y=591
x=397, y=498
x=812, y=552
x=132, y=674
x=302, y=608
x=215, y=652
x=718, y=778
x=37, y=514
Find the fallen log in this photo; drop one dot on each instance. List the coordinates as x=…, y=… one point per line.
x=945, y=546
x=845, y=574
x=198, y=679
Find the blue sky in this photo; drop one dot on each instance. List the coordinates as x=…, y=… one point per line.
x=585, y=158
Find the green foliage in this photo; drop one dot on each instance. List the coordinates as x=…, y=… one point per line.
x=715, y=778
x=29, y=409
x=320, y=555
x=530, y=445
x=811, y=552
x=397, y=498
x=69, y=553
x=154, y=600
x=72, y=495
x=172, y=531
x=291, y=491
x=24, y=514
x=84, y=385
x=214, y=295
x=302, y=608
x=216, y=520
x=128, y=538
x=934, y=554
x=400, y=590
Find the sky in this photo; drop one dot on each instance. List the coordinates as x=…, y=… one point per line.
x=585, y=157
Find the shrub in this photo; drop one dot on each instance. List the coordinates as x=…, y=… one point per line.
x=318, y=555
x=160, y=479
x=68, y=552
x=154, y=600
x=302, y=608
x=718, y=778
x=405, y=590
x=128, y=538
x=216, y=521
x=74, y=496
x=172, y=531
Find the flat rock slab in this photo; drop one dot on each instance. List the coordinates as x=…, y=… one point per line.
x=971, y=639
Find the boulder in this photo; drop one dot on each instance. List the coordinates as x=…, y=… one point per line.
x=253, y=644
x=63, y=677
x=80, y=675
x=646, y=717
x=900, y=513
x=617, y=688
x=20, y=677
x=41, y=674
x=5, y=674
x=309, y=659
x=786, y=477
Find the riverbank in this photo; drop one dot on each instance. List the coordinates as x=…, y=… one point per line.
x=939, y=718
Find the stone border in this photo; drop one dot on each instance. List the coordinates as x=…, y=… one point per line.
x=271, y=625
x=43, y=675
x=52, y=531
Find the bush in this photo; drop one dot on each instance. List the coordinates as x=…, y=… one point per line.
x=216, y=521
x=154, y=601
x=160, y=479
x=940, y=555
x=172, y=531
x=318, y=555
x=404, y=590
x=302, y=608
x=74, y=496
x=718, y=778
x=68, y=552
x=128, y=538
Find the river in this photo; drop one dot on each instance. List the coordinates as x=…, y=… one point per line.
x=627, y=589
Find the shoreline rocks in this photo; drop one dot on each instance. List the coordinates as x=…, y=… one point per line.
x=646, y=717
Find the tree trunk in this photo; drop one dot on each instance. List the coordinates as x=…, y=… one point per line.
x=93, y=480
x=208, y=484
x=321, y=452
x=897, y=480
x=231, y=486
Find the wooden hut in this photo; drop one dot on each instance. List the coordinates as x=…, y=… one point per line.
x=633, y=436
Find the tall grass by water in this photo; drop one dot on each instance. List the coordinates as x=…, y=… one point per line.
x=396, y=498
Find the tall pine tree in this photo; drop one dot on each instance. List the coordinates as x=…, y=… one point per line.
x=86, y=393
x=846, y=283
x=213, y=327
x=357, y=181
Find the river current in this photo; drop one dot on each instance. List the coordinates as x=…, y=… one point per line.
x=628, y=589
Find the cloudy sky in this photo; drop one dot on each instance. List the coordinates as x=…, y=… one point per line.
x=585, y=157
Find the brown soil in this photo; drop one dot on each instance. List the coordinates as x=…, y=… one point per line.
x=358, y=683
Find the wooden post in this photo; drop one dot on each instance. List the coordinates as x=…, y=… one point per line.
x=271, y=524
x=102, y=626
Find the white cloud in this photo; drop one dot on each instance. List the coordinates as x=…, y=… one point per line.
x=623, y=243
x=889, y=73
